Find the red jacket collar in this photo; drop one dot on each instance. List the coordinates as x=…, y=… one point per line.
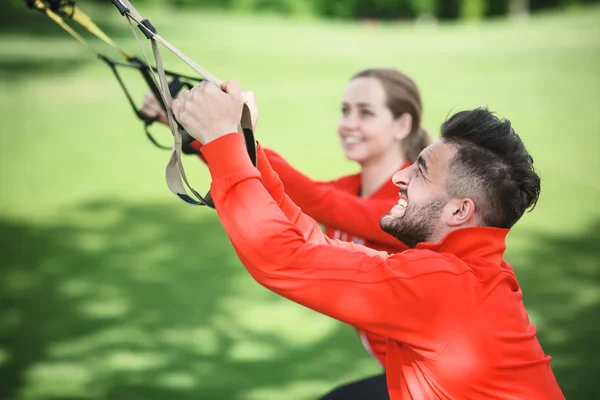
x=479, y=242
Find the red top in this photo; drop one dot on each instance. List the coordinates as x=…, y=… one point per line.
x=345, y=216
x=452, y=311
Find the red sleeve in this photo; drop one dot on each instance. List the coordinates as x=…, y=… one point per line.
x=329, y=205
x=334, y=207
x=408, y=297
x=198, y=146
x=309, y=227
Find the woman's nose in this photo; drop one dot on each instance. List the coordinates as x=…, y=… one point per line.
x=349, y=121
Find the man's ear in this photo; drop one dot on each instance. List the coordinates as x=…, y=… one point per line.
x=403, y=126
x=461, y=212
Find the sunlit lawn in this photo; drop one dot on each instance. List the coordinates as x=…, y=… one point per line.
x=112, y=288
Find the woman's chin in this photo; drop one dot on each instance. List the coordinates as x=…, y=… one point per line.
x=353, y=155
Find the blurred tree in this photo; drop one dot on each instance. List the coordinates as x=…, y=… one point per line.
x=285, y=7
x=518, y=7
x=336, y=8
x=215, y=4
x=367, y=9
x=542, y=4
x=424, y=8
x=385, y=9
x=495, y=8
x=447, y=9
x=15, y=12
x=472, y=9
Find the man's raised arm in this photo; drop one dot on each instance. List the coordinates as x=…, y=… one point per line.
x=308, y=226
x=407, y=299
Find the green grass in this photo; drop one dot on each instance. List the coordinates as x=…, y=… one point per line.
x=112, y=288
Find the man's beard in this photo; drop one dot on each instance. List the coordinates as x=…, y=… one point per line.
x=418, y=224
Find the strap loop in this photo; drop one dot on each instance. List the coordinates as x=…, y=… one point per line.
x=160, y=86
x=174, y=173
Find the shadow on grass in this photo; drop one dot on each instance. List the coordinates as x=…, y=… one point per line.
x=12, y=70
x=125, y=301
x=560, y=277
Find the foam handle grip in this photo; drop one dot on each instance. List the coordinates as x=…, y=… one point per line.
x=185, y=137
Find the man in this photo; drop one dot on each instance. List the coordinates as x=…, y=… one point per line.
x=451, y=306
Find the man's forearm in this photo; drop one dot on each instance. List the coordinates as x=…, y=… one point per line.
x=330, y=279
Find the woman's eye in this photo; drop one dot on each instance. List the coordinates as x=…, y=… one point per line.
x=366, y=113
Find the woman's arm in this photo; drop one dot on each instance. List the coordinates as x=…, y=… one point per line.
x=334, y=207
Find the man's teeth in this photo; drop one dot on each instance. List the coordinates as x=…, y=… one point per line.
x=352, y=140
x=402, y=203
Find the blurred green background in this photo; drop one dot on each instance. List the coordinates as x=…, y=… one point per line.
x=111, y=288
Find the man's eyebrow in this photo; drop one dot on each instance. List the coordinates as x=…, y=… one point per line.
x=421, y=161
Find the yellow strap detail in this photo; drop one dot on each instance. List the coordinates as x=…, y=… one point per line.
x=82, y=19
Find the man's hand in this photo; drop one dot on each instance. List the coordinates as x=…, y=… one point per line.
x=152, y=108
x=208, y=112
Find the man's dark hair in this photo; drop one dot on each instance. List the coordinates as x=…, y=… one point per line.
x=491, y=166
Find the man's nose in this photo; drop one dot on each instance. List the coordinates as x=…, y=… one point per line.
x=402, y=177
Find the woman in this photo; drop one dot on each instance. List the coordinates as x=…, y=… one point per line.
x=380, y=129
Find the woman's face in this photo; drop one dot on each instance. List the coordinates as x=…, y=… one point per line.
x=367, y=127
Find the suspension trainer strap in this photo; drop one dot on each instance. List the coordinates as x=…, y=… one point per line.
x=53, y=9
x=175, y=173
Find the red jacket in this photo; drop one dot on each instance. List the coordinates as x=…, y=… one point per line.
x=345, y=216
x=452, y=311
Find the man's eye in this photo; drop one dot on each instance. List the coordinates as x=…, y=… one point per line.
x=366, y=113
x=345, y=111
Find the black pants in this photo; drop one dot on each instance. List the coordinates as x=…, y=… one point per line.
x=374, y=388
